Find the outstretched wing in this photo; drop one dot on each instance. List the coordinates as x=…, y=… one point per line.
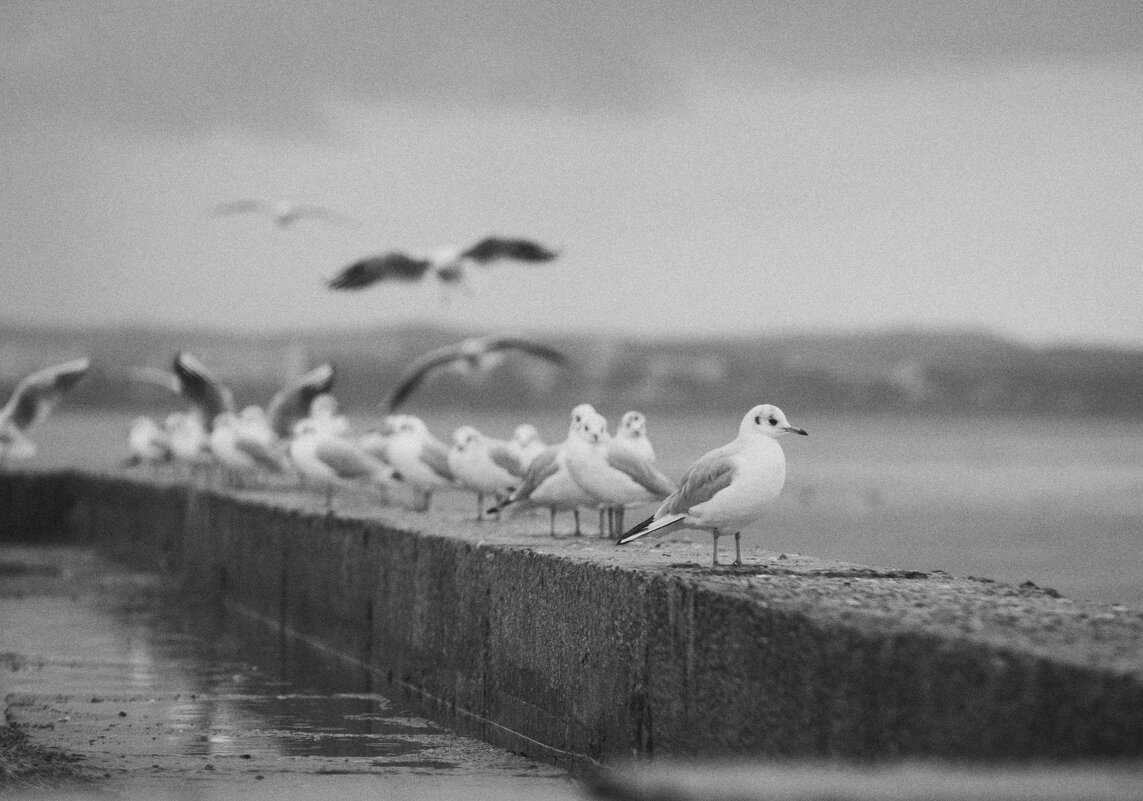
x=207, y=394
x=421, y=367
x=391, y=266
x=526, y=346
x=494, y=248
x=38, y=392
x=292, y=402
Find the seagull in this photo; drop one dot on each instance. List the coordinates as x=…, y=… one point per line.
x=631, y=436
x=730, y=486
x=468, y=356
x=188, y=439
x=245, y=445
x=614, y=477
x=483, y=465
x=283, y=213
x=32, y=400
x=526, y=444
x=331, y=461
x=300, y=397
x=325, y=415
x=547, y=481
x=208, y=397
x=147, y=443
x=447, y=265
x=420, y=458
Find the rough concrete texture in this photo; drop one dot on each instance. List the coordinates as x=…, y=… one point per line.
x=574, y=647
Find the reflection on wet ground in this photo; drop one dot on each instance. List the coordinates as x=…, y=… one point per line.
x=152, y=694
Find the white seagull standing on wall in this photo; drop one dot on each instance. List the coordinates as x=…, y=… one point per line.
x=729, y=487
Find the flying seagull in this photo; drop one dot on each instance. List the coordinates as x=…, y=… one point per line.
x=209, y=397
x=728, y=487
x=468, y=356
x=32, y=401
x=448, y=265
x=283, y=213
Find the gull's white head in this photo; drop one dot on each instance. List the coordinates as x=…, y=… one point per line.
x=769, y=421
x=224, y=419
x=323, y=405
x=579, y=413
x=525, y=433
x=593, y=428
x=633, y=424
x=465, y=436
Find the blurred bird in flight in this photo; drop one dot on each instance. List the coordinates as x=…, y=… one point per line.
x=283, y=213
x=468, y=356
x=32, y=401
x=449, y=265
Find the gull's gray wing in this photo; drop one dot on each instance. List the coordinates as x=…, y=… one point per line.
x=435, y=455
x=292, y=402
x=391, y=266
x=419, y=369
x=35, y=395
x=543, y=467
x=257, y=450
x=711, y=474
x=641, y=472
x=524, y=345
x=347, y=460
x=504, y=457
x=207, y=394
x=493, y=248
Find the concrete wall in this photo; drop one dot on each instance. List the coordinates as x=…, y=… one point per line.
x=581, y=649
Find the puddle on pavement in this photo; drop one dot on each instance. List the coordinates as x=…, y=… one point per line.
x=96, y=661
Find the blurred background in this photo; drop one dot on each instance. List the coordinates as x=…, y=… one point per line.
x=914, y=225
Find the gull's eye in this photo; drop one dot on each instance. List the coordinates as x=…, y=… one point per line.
x=773, y=421
x=758, y=420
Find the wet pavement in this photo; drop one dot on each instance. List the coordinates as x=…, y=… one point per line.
x=159, y=699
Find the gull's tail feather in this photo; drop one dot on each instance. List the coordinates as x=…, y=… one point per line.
x=648, y=526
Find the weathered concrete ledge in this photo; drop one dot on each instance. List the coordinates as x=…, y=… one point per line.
x=579, y=648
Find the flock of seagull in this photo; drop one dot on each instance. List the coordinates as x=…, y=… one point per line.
x=301, y=436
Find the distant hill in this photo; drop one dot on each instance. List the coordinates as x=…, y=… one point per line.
x=920, y=372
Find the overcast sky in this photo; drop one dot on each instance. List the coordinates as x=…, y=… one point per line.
x=702, y=167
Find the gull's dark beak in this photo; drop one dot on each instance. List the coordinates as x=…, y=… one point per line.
x=801, y=431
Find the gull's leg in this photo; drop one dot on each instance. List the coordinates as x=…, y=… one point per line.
x=552, y=521
x=575, y=512
x=329, y=498
x=602, y=515
x=737, y=547
x=479, y=506
x=714, y=534
x=617, y=520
